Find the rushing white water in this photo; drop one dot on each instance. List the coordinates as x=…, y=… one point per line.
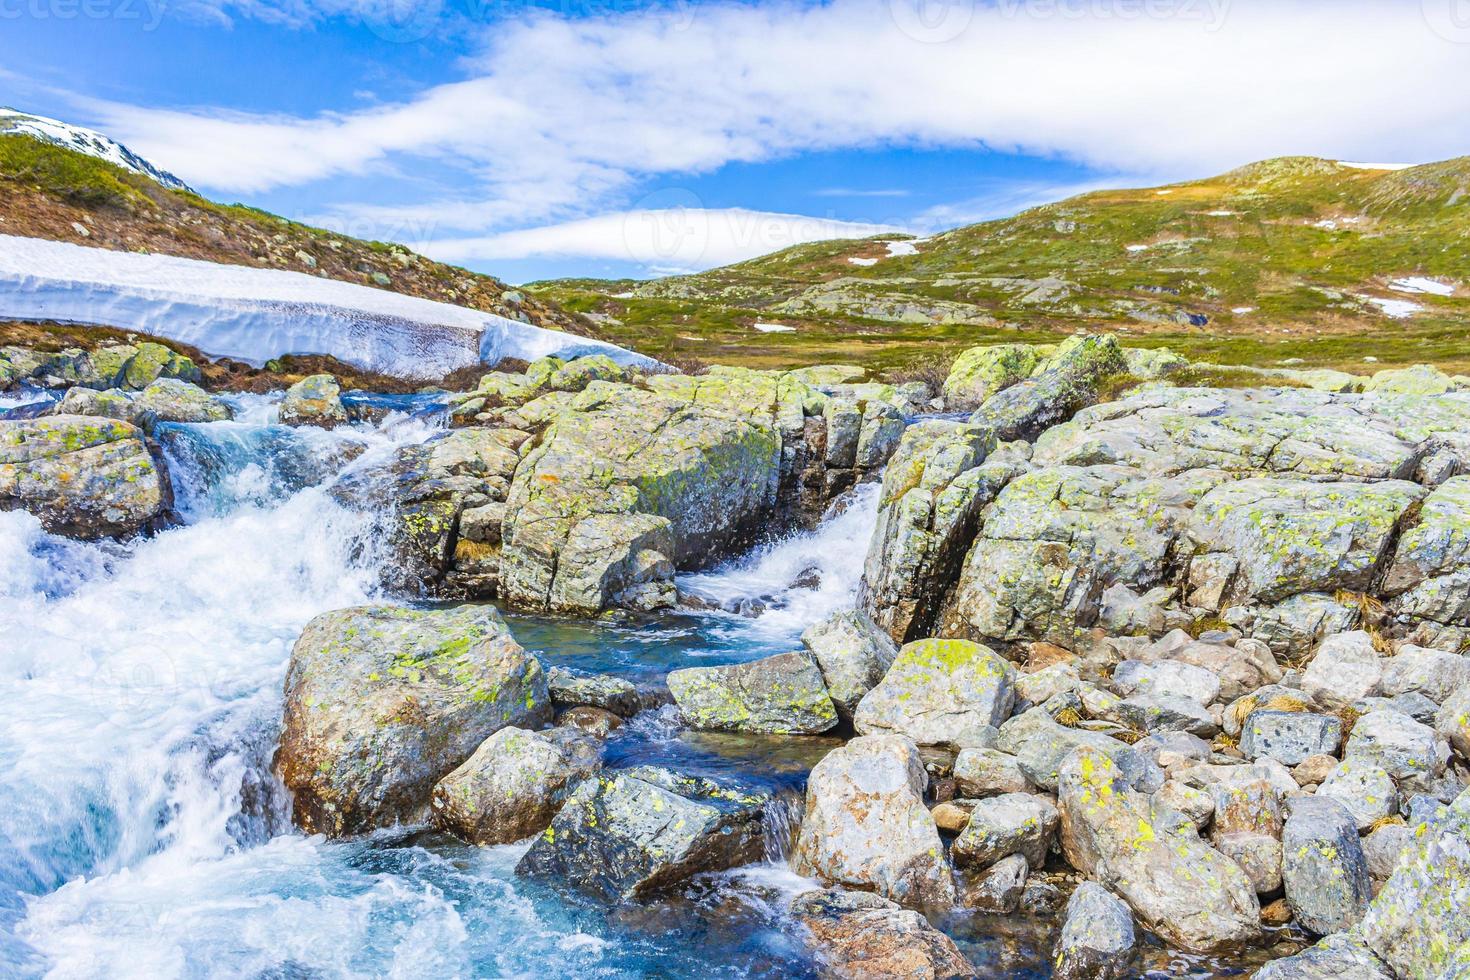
x=801, y=579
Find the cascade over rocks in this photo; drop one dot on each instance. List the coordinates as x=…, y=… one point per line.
x=383, y=702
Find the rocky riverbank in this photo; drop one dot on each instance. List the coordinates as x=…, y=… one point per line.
x=1156, y=666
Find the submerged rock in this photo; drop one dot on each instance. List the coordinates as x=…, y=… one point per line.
x=1098, y=940
x=614, y=694
x=315, y=400
x=83, y=477
x=1188, y=893
x=513, y=785
x=866, y=826
x=383, y=702
x=627, y=835
x=862, y=936
x=780, y=695
x=941, y=692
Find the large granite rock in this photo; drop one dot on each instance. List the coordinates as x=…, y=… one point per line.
x=940, y=692
x=1341, y=957
x=1397, y=743
x=1430, y=574
x=627, y=835
x=1346, y=668
x=1066, y=382
x=314, y=400
x=513, y=784
x=862, y=936
x=1188, y=893
x=780, y=695
x=980, y=372
x=1098, y=940
x=852, y=654
x=1016, y=823
x=383, y=702
x=1290, y=737
x=1322, y=865
x=83, y=477
x=165, y=400
x=866, y=826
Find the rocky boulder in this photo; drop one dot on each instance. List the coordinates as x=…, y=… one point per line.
x=940, y=692
x=780, y=695
x=614, y=694
x=866, y=826
x=852, y=654
x=1323, y=867
x=627, y=835
x=1015, y=823
x=980, y=372
x=314, y=400
x=383, y=702
x=862, y=936
x=1098, y=940
x=1039, y=744
x=513, y=784
x=1430, y=574
x=1188, y=893
x=83, y=477
x=1346, y=668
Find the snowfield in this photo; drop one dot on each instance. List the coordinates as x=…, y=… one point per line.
x=86, y=141
x=256, y=314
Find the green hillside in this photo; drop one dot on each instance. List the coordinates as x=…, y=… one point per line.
x=1277, y=261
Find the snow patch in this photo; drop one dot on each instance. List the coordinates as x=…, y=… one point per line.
x=1399, y=309
x=58, y=133
x=765, y=327
x=1422, y=284
x=256, y=314
x=897, y=249
x=858, y=260
x=1222, y=214
x=1375, y=166
x=1242, y=309
x=1137, y=248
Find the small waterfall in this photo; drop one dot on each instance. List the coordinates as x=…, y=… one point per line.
x=781, y=822
x=791, y=584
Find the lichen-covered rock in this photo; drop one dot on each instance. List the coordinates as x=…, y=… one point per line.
x=83, y=477
x=579, y=373
x=383, y=702
x=1164, y=713
x=1291, y=536
x=149, y=361
x=1452, y=722
x=1167, y=677
x=1430, y=574
x=980, y=372
x=314, y=400
x=853, y=655
x=624, y=836
x=1322, y=865
x=1098, y=940
x=780, y=695
x=1039, y=745
x=862, y=936
x=1290, y=737
x=1340, y=957
x=940, y=692
x=1417, y=925
x=1364, y=790
x=1065, y=383
x=866, y=826
x=1016, y=823
x=1420, y=379
x=1182, y=889
x=172, y=400
x=512, y=785
x=979, y=773
x=1398, y=744
x=569, y=690
x=1346, y=668
x=1418, y=670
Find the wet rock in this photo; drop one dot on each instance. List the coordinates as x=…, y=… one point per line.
x=1339, y=957
x=1344, y=669
x=979, y=773
x=603, y=691
x=172, y=400
x=315, y=400
x=624, y=836
x=1323, y=867
x=861, y=936
x=853, y=655
x=1041, y=898
x=83, y=477
x=780, y=695
x=1417, y=925
x=383, y=702
x=1290, y=737
x=1039, y=744
x=998, y=889
x=1364, y=790
x=940, y=692
x=1193, y=897
x=1016, y=823
x=1098, y=940
x=866, y=826
x=596, y=722
x=513, y=784
x=1398, y=744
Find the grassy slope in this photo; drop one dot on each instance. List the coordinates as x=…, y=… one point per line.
x=1274, y=252
x=48, y=191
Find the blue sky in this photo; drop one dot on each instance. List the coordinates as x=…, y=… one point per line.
x=608, y=137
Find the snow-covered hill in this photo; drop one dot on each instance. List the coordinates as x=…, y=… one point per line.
x=86, y=141
x=257, y=314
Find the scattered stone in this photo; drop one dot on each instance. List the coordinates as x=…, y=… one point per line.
x=866, y=826
x=1290, y=737
x=1041, y=898
x=941, y=692
x=1452, y=722
x=596, y=722
x=979, y=773
x=950, y=817
x=1167, y=678
x=780, y=695
x=1016, y=823
x=1346, y=668
x=1383, y=848
x=1039, y=744
x=1323, y=867
x=862, y=936
x=998, y=889
x=1098, y=940
x=1398, y=744
x=1364, y=790
x=1340, y=957
x=1314, y=769
x=1435, y=674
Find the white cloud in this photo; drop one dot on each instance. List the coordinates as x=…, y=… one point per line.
x=558, y=117
x=679, y=238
